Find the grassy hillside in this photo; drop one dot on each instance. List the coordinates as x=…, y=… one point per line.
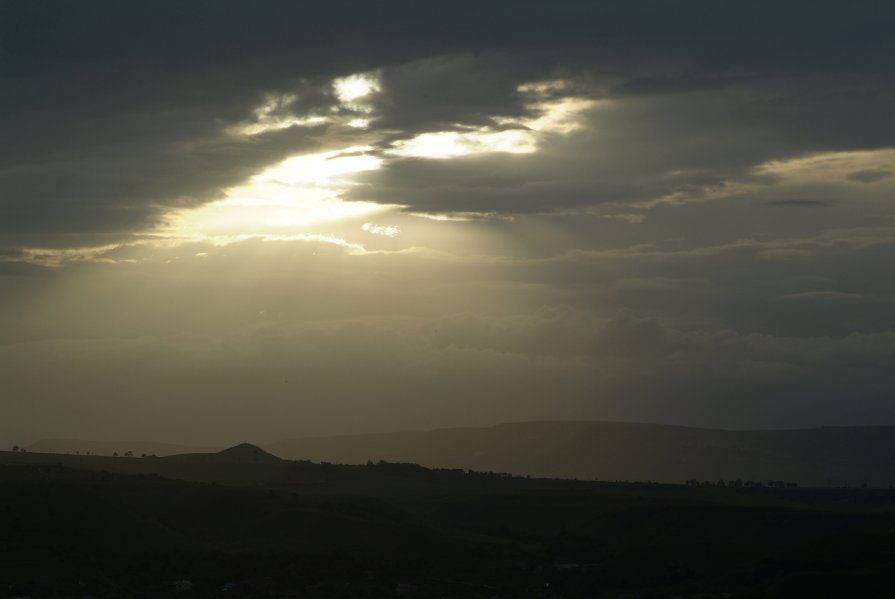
x=822, y=457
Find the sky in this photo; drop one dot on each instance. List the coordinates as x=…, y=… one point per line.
x=225, y=221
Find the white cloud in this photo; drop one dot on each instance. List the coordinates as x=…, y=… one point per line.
x=354, y=91
x=386, y=230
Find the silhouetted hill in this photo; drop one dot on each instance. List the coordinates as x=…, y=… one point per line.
x=827, y=456
x=246, y=452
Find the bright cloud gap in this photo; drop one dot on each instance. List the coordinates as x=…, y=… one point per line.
x=295, y=194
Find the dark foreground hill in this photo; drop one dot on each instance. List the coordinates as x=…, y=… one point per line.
x=828, y=456
x=86, y=532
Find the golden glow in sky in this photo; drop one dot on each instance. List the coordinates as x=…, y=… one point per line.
x=295, y=194
x=451, y=144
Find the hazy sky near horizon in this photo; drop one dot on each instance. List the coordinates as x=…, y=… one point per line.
x=226, y=221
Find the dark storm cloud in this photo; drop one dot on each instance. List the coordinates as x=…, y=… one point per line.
x=438, y=93
x=112, y=112
x=641, y=148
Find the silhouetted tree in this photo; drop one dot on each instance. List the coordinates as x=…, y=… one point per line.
x=15, y=447
x=114, y=454
x=128, y=454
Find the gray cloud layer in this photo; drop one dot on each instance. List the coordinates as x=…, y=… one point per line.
x=115, y=111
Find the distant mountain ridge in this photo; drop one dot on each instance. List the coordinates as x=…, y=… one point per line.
x=109, y=447
x=820, y=457
x=826, y=456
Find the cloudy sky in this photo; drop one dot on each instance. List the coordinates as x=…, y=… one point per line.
x=227, y=220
